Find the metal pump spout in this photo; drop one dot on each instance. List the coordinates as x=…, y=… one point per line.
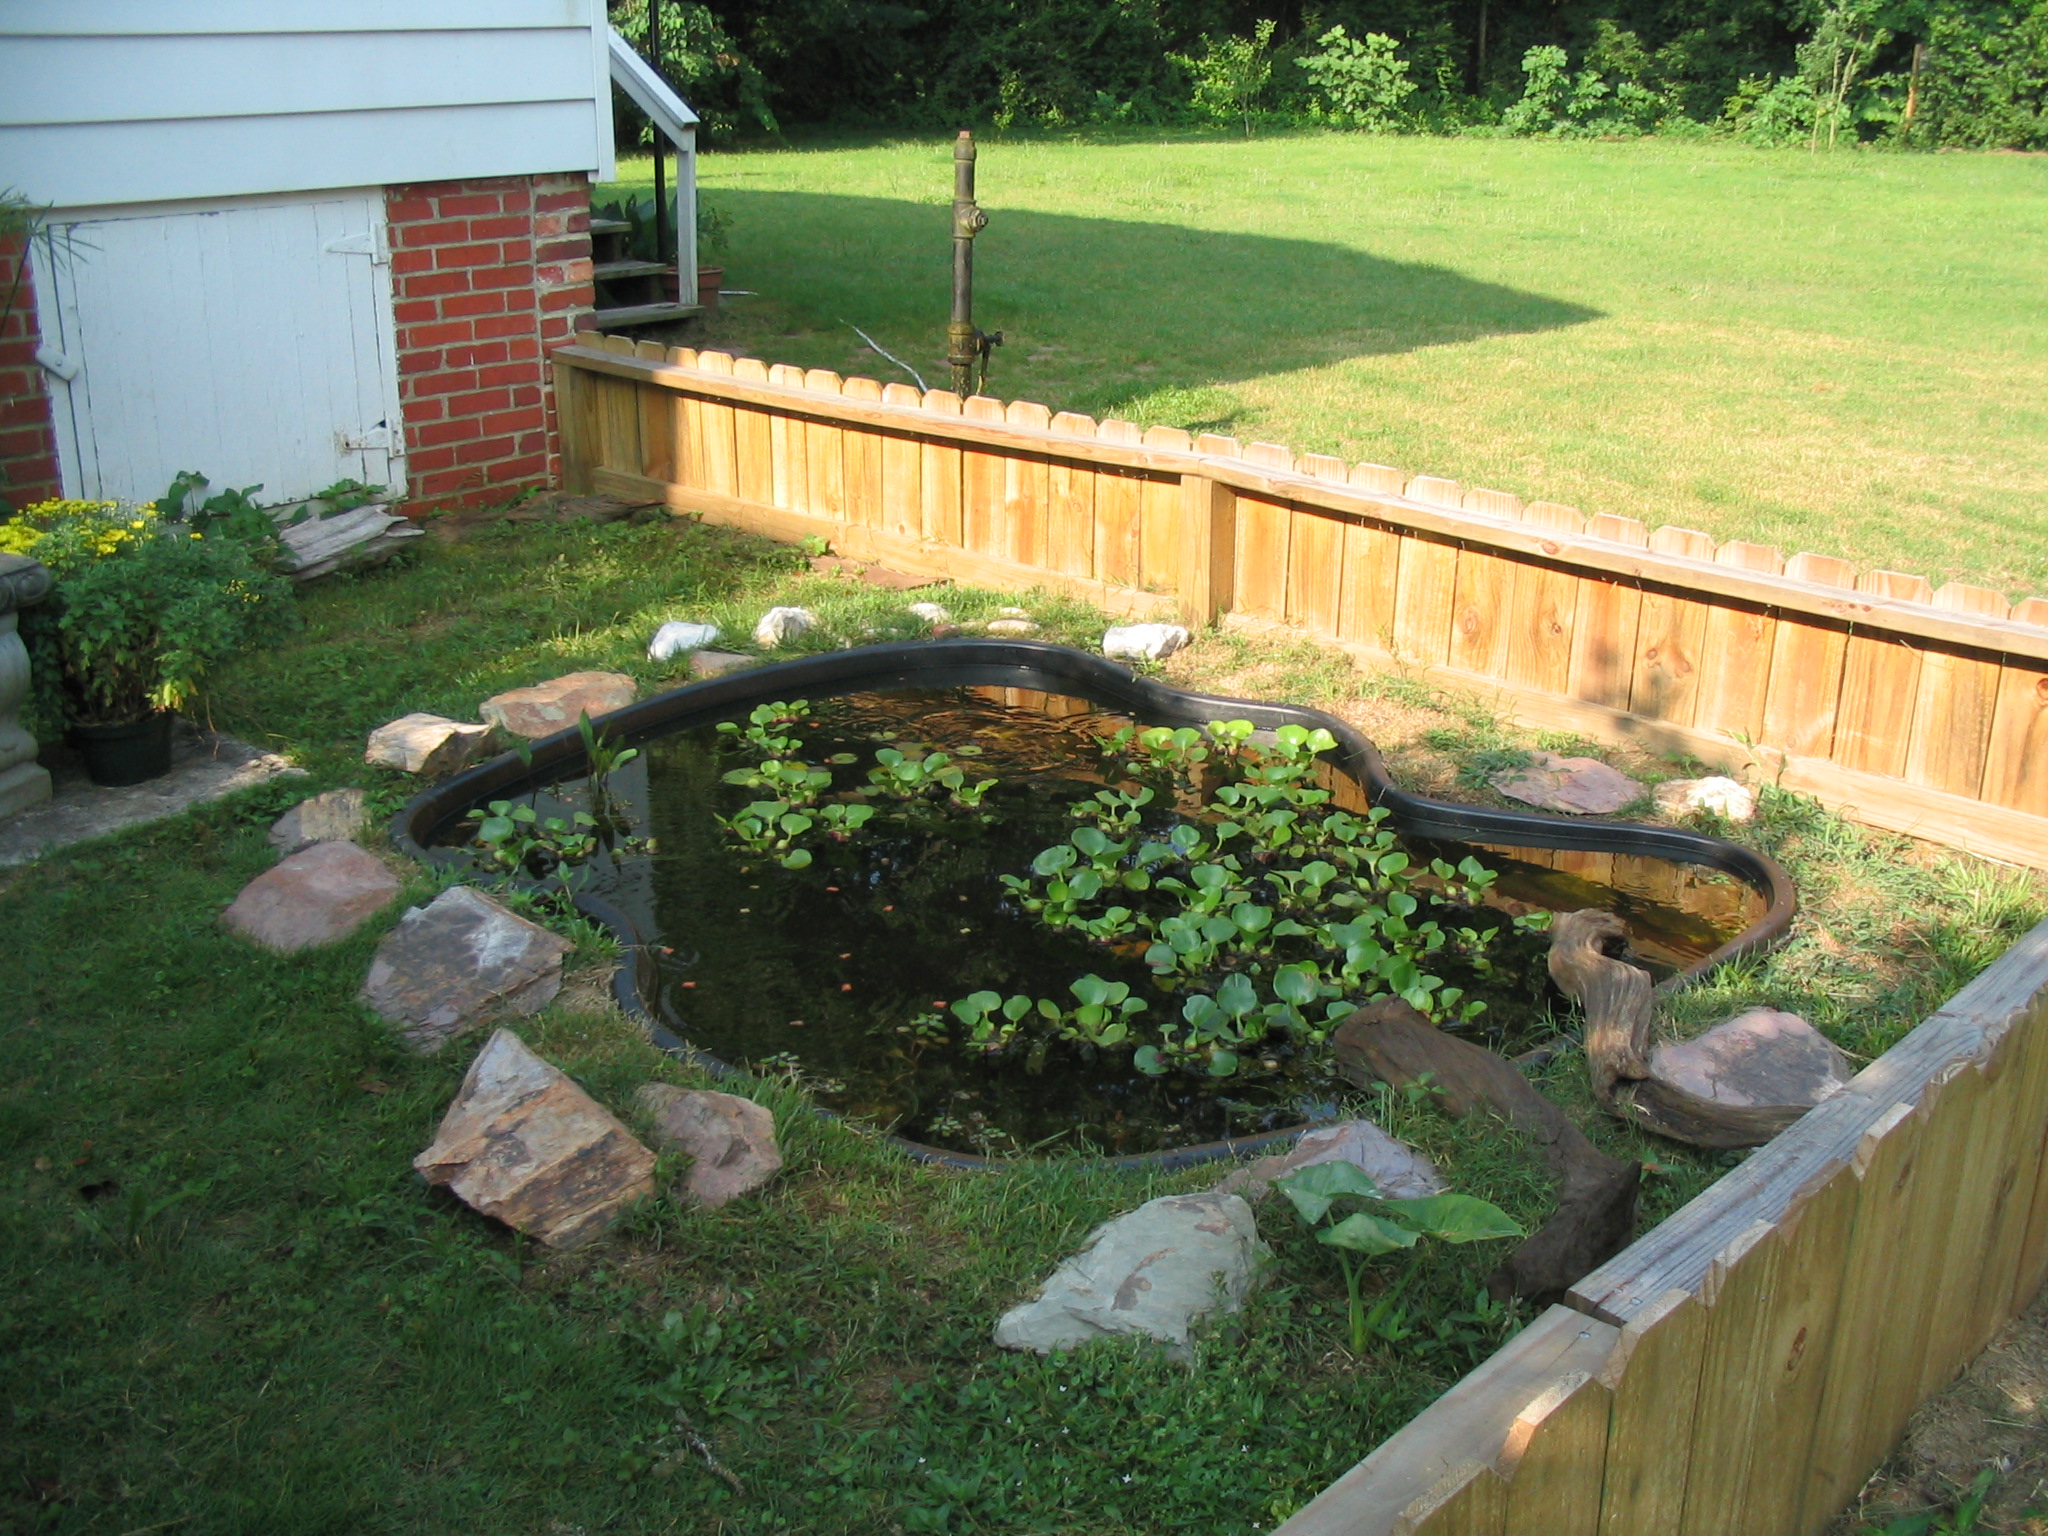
x=964, y=344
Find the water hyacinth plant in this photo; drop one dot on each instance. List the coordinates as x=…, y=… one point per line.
x=1263, y=912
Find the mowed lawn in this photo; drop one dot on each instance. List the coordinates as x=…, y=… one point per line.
x=1846, y=353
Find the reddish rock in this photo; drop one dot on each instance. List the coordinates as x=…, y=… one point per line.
x=319, y=895
x=1580, y=786
x=731, y=1140
x=459, y=961
x=558, y=704
x=522, y=1143
x=1401, y=1172
x=1759, y=1057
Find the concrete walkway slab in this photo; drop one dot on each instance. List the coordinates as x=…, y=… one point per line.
x=204, y=766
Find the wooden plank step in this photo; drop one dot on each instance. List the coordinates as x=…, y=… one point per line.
x=610, y=269
x=630, y=315
x=609, y=226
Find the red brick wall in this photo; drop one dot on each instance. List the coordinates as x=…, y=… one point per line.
x=28, y=446
x=487, y=276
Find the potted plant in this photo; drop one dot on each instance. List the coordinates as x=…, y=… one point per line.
x=143, y=605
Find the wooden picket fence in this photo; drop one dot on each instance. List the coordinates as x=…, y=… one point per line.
x=1741, y=1369
x=1909, y=708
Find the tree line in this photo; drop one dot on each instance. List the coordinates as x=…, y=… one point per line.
x=1912, y=74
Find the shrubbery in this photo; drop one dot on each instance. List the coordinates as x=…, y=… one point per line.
x=1817, y=73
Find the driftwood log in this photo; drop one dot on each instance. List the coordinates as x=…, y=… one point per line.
x=1586, y=964
x=1388, y=1041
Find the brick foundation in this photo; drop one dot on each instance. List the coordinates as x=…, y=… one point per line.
x=486, y=277
x=28, y=445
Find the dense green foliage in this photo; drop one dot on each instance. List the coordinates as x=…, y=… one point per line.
x=1907, y=72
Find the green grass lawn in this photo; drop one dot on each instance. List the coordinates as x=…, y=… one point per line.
x=1846, y=354
x=228, y=1305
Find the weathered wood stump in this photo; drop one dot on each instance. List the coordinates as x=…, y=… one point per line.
x=1388, y=1041
x=1585, y=949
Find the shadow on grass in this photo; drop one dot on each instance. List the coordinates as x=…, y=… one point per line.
x=1097, y=311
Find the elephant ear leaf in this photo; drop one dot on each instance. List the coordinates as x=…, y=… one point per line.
x=1311, y=1189
x=1456, y=1218
x=1364, y=1233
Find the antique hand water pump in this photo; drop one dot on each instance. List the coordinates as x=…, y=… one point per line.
x=965, y=344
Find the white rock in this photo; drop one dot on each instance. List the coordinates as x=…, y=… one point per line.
x=423, y=743
x=779, y=626
x=1011, y=629
x=931, y=613
x=675, y=637
x=1152, y=1271
x=522, y=1143
x=1722, y=796
x=1143, y=642
x=325, y=818
x=1013, y=613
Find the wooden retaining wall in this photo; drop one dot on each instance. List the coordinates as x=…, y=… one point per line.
x=1909, y=708
x=1742, y=1368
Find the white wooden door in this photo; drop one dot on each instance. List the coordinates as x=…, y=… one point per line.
x=251, y=343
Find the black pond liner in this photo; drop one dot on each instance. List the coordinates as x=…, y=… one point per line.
x=1060, y=669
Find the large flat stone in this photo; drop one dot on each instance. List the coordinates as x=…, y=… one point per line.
x=427, y=744
x=730, y=1140
x=558, y=703
x=332, y=817
x=1579, y=786
x=319, y=895
x=522, y=1143
x=459, y=961
x=1153, y=1271
x=1759, y=1057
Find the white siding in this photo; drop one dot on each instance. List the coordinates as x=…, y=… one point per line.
x=127, y=101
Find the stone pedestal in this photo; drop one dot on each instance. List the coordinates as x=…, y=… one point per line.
x=23, y=783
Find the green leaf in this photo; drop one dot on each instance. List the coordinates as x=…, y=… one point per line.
x=1456, y=1218
x=976, y=1005
x=1221, y=1062
x=1052, y=861
x=1089, y=840
x=1091, y=990
x=1364, y=1233
x=1146, y=1059
x=797, y=858
x=495, y=829
x=1311, y=1189
x=1236, y=996
x=1296, y=984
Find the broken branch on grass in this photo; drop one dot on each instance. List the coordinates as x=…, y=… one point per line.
x=702, y=1447
x=877, y=347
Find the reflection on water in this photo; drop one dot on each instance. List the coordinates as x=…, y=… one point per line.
x=826, y=967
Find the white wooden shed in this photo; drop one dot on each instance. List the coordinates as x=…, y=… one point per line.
x=296, y=241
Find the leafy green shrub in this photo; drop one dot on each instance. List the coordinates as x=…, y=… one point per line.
x=1230, y=74
x=1359, y=82
x=1986, y=77
x=143, y=605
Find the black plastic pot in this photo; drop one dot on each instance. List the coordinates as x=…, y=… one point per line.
x=1060, y=669
x=119, y=755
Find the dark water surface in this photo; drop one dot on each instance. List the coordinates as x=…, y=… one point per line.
x=826, y=967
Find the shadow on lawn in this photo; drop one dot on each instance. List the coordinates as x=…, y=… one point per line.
x=1096, y=310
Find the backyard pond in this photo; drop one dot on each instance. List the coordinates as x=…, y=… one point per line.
x=993, y=919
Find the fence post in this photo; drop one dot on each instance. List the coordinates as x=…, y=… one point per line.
x=1208, y=571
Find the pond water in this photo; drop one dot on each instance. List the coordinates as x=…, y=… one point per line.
x=824, y=969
